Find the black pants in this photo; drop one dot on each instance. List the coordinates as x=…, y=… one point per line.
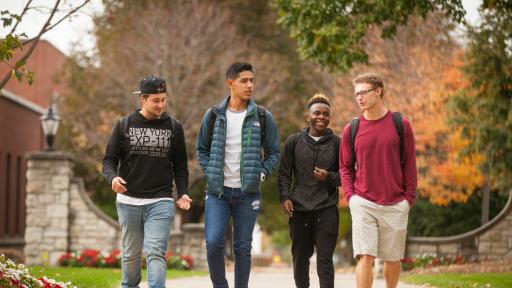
x=310, y=230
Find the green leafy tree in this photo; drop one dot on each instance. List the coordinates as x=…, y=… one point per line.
x=431, y=220
x=484, y=109
x=332, y=32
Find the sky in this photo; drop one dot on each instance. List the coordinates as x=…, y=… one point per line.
x=66, y=35
x=76, y=33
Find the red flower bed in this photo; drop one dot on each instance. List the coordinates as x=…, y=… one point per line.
x=409, y=263
x=93, y=258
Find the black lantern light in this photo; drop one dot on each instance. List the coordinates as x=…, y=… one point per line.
x=50, y=122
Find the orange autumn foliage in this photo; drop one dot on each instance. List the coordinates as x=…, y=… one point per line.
x=444, y=175
x=421, y=66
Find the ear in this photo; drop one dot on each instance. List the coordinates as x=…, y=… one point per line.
x=307, y=115
x=229, y=82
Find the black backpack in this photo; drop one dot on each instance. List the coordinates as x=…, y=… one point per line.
x=397, y=120
x=262, y=115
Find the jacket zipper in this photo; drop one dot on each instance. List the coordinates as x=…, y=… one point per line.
x=223, y=159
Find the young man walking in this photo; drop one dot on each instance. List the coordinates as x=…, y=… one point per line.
x=229, y=146
x=310, y=161
x=149, y=148
x=378, y=170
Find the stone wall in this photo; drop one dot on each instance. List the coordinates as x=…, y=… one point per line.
x=194, y=243
x=492, y=241
x=47, y=202
x=89, y=226
x=61, y=217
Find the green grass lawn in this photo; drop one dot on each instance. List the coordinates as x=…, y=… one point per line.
x=97, y=277
x=458, y=280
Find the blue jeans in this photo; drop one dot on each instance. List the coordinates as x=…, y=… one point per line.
x=244, y=210
x=145, y=226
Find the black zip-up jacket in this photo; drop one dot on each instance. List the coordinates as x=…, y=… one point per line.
x=151, y=154
x=300, y=156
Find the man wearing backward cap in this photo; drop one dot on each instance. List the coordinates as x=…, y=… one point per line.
x=148, y=147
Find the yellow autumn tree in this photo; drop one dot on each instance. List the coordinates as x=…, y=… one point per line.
x=444, y=175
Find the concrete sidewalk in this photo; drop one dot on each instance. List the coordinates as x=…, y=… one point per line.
x=273, y=279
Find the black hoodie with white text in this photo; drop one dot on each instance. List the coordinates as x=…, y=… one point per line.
x=150, y=155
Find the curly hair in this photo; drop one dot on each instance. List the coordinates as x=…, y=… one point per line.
x=319, y=98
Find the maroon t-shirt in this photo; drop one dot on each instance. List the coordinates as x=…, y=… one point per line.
x=380, y=176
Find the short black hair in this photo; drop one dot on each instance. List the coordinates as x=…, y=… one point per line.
x=236, y=68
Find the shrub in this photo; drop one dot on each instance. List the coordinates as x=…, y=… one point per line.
x=90, y=258
x=183, y=262
x=428, y=261
x=113, y=259
x=67, y=259
x=407, y=263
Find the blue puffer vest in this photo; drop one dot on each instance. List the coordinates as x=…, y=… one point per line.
x=251, y=163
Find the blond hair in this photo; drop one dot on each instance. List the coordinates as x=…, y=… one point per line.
x=319, y=98
x=373, y=79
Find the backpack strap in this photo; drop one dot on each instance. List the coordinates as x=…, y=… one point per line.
x=354, y=127
x=173, y=136
x=124, y=125
x=294, y=139
x=397, y=120
x=211, y=125
x=262, y=118
x=124, y=135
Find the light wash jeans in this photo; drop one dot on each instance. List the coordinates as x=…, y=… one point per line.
x=244, y=209
x=145, y=226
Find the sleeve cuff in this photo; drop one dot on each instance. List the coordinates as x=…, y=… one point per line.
x=284, y=198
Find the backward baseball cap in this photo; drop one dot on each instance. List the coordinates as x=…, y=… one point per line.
x=152, y=85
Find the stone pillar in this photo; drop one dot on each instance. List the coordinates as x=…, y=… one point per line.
x=193, y=243
x=47, y=228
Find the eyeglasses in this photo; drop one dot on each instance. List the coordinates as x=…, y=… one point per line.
x=363, y=92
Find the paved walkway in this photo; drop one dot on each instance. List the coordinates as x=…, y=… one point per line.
x=273, y=279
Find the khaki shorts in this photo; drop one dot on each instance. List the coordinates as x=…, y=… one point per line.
x=378, y=230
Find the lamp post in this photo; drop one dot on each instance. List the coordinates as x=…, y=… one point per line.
x=50, y=122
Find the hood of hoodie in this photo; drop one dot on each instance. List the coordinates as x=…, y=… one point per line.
x=328, y=136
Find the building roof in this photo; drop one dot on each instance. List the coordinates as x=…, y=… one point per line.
x=47, y=63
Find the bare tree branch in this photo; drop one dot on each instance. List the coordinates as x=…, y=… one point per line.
x=50, y=27
x=29, y=52
x=46, y=27
x=27, y=7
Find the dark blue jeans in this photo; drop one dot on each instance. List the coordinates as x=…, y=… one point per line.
x=244, y=210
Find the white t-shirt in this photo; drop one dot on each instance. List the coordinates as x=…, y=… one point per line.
x=315, y=137
x=125, y=199
x=233, y=148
